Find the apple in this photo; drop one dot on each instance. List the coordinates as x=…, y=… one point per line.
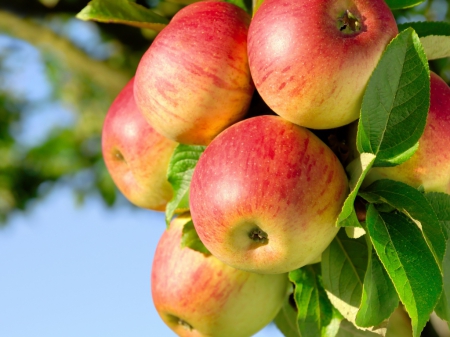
x=194, y=80
x=265, y=195
x=136, y=156
x=429, y=166
x=197, y=295
x=311, y=60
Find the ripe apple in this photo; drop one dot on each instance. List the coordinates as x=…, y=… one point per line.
x=194, y=80
x=311, y=59
x=430, y=164
x=265, y=195
x=197, y=295
x=137, y=157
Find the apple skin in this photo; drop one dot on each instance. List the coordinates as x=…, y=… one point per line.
x=136, y=156
x=197, y=295
x=429, y=166
x=269, y=174
x=305, y=68
x=194, y=80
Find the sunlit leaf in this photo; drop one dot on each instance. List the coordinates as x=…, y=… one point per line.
x=400, y=4
x=181, y=167
x=414, y=204
x=396, y=102
x=123, y=12
x=315, y=311
x=408, y=261
x=434, y=36
x=379, y=298
x=357, y=171
x=344, y=264
x=191, y=239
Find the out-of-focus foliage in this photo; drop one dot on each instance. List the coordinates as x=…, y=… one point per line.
x=430, y=10
x=54, y=137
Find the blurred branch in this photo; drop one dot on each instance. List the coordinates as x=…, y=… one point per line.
x=112, y=80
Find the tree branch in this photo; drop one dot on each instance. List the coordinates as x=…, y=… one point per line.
x=112, y=80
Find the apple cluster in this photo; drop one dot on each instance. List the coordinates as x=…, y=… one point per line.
x=266, y=192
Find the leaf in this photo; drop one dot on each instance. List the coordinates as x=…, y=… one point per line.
x=190, y=239
x=379, y=298
x=442, y=309
x=246, y=5
x=434, y=36
x=414, y=204
x=441, y=206
x=354, y=232
x=315, y=311
x=257, y=4
x=124, y=12
x=357, y=171
x=181, y=167
x=167, y=9
x=347, y=329
x=396, y=102
x=440, y=202
x=408, y=261
x=344, y=264
x=184, y=2
x=286, y=320
x=399, y=4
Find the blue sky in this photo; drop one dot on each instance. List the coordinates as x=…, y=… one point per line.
x=67, y=270
x=70, y=271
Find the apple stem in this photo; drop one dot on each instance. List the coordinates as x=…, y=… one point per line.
x=258, y=235
x=349, y=23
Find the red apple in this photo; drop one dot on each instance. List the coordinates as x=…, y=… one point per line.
x=311, y=59
x=137, y=157
x=265, y=195
x=197, y=295
x=430, y=165
x=194, y=80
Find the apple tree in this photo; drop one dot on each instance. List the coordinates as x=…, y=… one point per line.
x=387, y=257
x=385, y=269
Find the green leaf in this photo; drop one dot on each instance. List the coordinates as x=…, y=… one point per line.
x=445, y=297
x=181, y=167
x=408, y=261
x=257, y=4
x=124, y=12
x=184, y=2
x=379, y=298
x=190, y=239
x=246, y=5
x=347, y=329
x=412, y=203
x=441, y=206
x=434, y=36
x=443, y=307
x=344, y=264
x=357, y=171
x=167, y=9
x=440, y=202
x=315, y=314
x=315, y=311
x=399, y=4
x=286, y=320
x=396, y=102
